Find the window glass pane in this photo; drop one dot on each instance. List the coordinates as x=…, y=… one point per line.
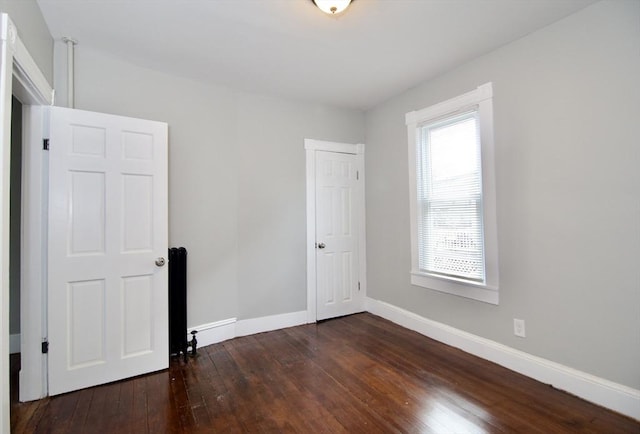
x=449, y=194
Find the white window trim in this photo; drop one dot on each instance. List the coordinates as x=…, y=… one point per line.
x=482, y=98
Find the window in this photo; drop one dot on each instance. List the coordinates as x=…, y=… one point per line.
x=453, y=227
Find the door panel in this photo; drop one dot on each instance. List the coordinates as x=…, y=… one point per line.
x=137, y=296
x=86, y=213
x=107, y=224
x=86, y=301
x=337, y=253
x=137, y=209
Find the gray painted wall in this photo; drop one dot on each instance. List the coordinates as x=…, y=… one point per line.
x=33, y=32
x=272, y=199
x=566, y=105
x=236, y=179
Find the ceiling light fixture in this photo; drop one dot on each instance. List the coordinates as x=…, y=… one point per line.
x=332, y=7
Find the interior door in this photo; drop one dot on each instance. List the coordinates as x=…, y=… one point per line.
x=337, y=262
x=108, y=237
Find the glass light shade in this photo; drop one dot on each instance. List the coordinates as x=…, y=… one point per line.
x=332, y=7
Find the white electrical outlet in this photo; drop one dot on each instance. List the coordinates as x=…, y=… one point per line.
x=518, y=327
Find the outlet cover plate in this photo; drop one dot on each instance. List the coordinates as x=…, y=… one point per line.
x=518, y=327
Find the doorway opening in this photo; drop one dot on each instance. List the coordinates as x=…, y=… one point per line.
x=15, y=229
x=15, y=226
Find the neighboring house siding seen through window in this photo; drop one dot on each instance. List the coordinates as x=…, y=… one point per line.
x=453, y=228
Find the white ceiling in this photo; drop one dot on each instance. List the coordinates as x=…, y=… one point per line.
x=289, y=48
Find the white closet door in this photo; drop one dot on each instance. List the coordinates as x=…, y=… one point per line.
x=338, y=291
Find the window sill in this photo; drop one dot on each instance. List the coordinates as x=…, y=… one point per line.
x=480, y=292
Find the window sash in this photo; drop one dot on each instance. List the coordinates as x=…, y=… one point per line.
x=450, y=226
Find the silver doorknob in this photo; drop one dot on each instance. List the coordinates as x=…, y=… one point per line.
x=160, y=262
x=321, y=246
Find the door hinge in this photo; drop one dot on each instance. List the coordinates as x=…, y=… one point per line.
x=358, y=286
x=45, y=347
x=45, y=144
x=357, y=175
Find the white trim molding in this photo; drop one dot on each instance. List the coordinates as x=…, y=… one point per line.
x=214, y=332
x=252, y=326
x=614, y=396
x=321, y=145
x=20, y=76
x=311, y=146
x=30, y=86
x=220, y=331
x=7, y=34
x=33, y=87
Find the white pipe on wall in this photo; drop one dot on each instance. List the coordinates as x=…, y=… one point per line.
x=70, y=71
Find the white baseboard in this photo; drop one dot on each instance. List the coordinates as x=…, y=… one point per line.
x=267, y=323
x=14, y=343
x=614, y=396
x=214, y=332
x=220, y=331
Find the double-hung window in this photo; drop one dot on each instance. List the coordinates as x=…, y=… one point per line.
x=453, y=226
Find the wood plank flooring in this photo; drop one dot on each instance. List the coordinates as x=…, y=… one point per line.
x=353, y=374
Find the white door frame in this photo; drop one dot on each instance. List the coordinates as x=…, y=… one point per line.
x=19, y=75
x=311, y=146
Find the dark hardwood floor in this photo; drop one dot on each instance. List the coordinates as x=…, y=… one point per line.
x=353, y=374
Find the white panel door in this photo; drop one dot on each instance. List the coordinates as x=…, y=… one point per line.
x=337, y=262
x=107, y=297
